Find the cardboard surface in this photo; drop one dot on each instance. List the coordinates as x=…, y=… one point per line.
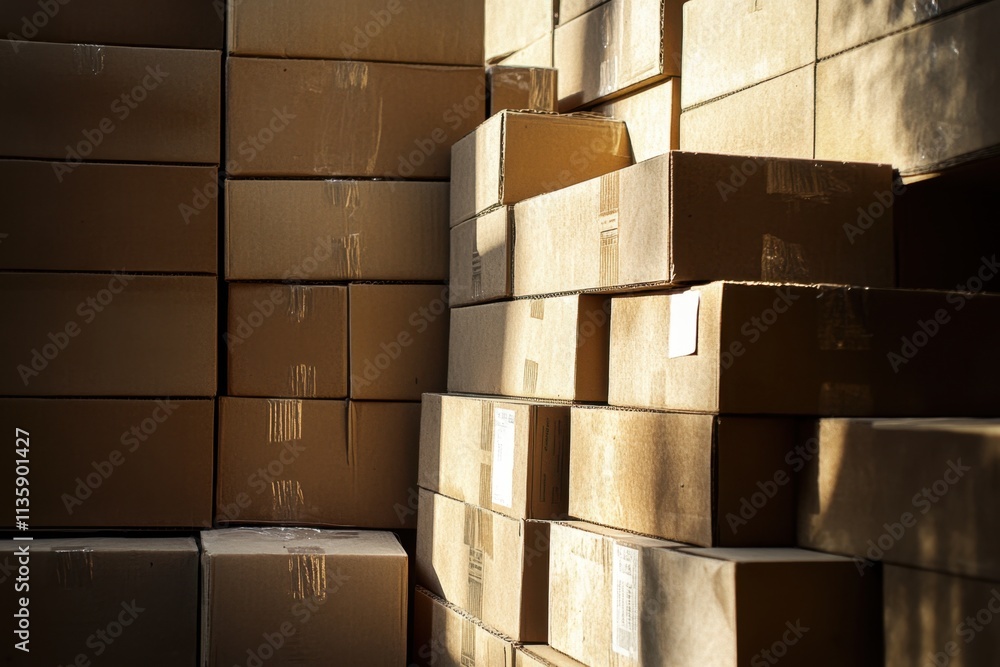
x=570, y=9
x=536, y=54
x=287, y=340
x=336, y=230
x=520, y=88
x=76, y=334
x=555, y=348
x=542, y=655
x=494, y=567
x=482, y=258
x=447, y=635
x=512, y=25
x=128, y=104
x=652, y=117
x=391, y=121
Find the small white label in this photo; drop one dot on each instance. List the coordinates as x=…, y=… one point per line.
x=625, y=602
x=682, y=339
x=503, y=457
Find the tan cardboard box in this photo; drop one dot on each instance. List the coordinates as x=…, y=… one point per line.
x=536, y=54
x=287, y=340
x=494, y=567
x=113, y=334
x=116, y=600
x=513, y=156
x=694, y=217
x=619, y=599
x=445, y=32
x=542, y=655
x=336, y=230
x=101, y=463
x=113, y=103
x=318, y=596
x=652, y=117
x=554, y=348
x=521, y=88
x=482, y=258
x=710, y=480
x=570, y=9
x=511, y=457
x=858, y=352
x=512, y=25
x=443, y=634
x=398, y=341
x=391, y=120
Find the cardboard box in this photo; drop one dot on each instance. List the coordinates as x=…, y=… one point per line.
x=709, y=480
x=617, y=47
x=287, y=340
x=494, y=567
x=619, y=599
x=119, y=601
x=521, y=88
x=338, y=230
x=399, y=341
x=946, y=103
x=731, y=46
x=109, y=217
x=542, y=655
x=423, y=32
x=857, y=352
x=536, y=54
x=329, y=596
x=443, y=634
x=775, y=118
x=184, y=24
x=511, y=457
x=901, y=491
x=555, y=348
x=570, y=9
x=691, y=217
x=105, y=463
x=512, y=25
x=652, y=117
x=482, y=258
x=392, y=121
x=282, y=461
x=80, y=334
x=513, y=156
x=125, y=104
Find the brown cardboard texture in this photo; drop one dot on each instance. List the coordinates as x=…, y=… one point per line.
x=482, y=258
x=513, y=156
x=128, y=104
x=858, y=352
x=702, y=479
x=536, y=54
x=508, y=456
x=391, y=121
x=695, y=217
x=542, y=655
x=321, y=596
x=554, y=348
x=445, y=32
x=652, y=116
x=443, y=634
x=76, y=334
x=570, y=9
x=520, y=88
x=494, y=567
x=338, y=230
x=512, y=25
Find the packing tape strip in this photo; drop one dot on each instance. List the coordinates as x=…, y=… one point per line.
x=530, y=381
x=782, y=262
x=842, y=399
x=608, y=224
x=537, y=311
x=349, y=258
x=486, y=426
x=468, y=642
x=284, y=420
x=795, y=179
x=486, y=445
x=299, y=298
x=287, y=499
x=477, y=272
x=842, y=320
x=302, y=378
x=307, y=573
x=88, y=58
x=486, y=484
x=74, y=567
x=542, y=90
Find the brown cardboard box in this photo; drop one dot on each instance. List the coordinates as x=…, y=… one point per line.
x=521, y=88
x=494, y=567
x=513, y=156
x=725, y=347
x=512, y=25
x=555, y=348
x=319, y=463
x=617, y=47
x=710, y=480
x=946, y=101
x=730, y=46
x=104, y=463
x=338, y=230
x=909, y=492
x=80, y=334
x=317, y=597
x=391, y=121
x=190, y=24
x=446, y=32
x=619, y=599
x=511, y=457
x=536, y=54
x=775, y=118
x=938, y=619
x=570, y=9
x=652, y=117
x=542, y=655
x=694, y=217
x=103, y=600
x=85, y=102
x=482, y=258
x=109, y=217
x=443, y=634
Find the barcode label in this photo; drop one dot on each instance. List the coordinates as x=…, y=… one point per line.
x=503, y=457
x=625, y=602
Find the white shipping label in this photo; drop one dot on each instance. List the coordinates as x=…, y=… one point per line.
x=682, y=339
x=625, y=602
x=503, y=457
